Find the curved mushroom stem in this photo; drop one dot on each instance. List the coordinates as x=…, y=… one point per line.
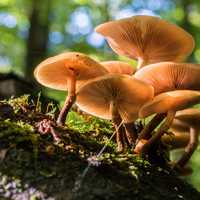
x=190, y=148
x=146, y=131
x=71, y=83
x=131, y=133
x=141, y=63
x=119, y=130
x=162, y=129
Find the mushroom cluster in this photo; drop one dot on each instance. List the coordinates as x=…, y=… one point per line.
x=162, y=86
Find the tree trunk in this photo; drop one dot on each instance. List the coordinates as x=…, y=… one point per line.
x=38, y=35
x=186, y=24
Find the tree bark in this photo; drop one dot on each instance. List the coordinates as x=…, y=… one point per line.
x=38, y=35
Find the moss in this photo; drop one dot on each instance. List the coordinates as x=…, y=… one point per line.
x=33, y=166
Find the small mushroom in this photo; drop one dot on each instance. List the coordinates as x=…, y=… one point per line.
x=147, y=39
x=67, y=71
x=168, y=76
x=192, y=118
x=116, y=97
x=118, y=67
x=179, y=135
x=168, y=102
x=179, y=126
x=176, y=139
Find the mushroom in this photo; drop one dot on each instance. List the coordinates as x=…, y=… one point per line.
x=116, y=97
x=168, y=102
x=167, y=76
x=179, y=135
x=179, y=126
x=67, y=71
x=147, y=39
x=118, y=67
x=176, y=139
x=192, y=118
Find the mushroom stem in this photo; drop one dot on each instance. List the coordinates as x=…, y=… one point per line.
x=71, y=84
x=190, y=148
x=141, y=63
x=131, y=133
x=162, y=129
x=120, y=130
x=145, y=133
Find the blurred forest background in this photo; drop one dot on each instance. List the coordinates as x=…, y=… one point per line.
x=31, y=30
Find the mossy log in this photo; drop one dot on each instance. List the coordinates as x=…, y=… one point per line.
x=33, y=166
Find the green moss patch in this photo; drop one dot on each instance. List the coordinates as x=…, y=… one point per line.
x=34, y=166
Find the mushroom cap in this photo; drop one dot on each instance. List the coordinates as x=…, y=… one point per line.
x=54, y=71
x=167, y=76
x=118, y=67
x=147, y=37
x=179, y=126
x=173, y=100
x=177, y=140
x=128, y=94
x=191, y=116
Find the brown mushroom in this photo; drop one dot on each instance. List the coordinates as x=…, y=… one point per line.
x=67, y=71
x=148, y=39
x=116, y=97
x=118, y=67
x=176, y=139
x=168, y=102
x=192, y=118
x=168, y=76
x=179, y=135
x=179, y=126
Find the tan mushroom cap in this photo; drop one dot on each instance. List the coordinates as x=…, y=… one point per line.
x=118, y=67
x=179, y=126
x=191, y=116
x=127, y=93
x=177, y=139
x=147, y=37
x=181, y=133
x=54, y=71
x=167, y=76
x=180, y=137
x=174, y=100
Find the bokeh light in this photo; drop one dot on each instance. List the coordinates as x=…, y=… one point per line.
x=7, y=20
x=95, y=39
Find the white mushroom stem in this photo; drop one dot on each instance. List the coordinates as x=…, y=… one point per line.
x=141, y=63
x=116, y=122
x=71, y=84
x=162, y=129
x=190, y=148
